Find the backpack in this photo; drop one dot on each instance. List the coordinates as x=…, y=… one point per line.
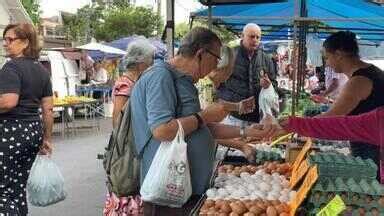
x=121, y=162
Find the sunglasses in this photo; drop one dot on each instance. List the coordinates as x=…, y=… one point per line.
x=213, y=54
x=10, y=40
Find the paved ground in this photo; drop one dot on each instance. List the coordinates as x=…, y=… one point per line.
x=83, y=173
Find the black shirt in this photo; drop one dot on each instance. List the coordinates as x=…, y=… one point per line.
x=374, y=100
x=29, y=79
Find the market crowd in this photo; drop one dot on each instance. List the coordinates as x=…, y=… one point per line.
x=210, y=90
x=213, y=91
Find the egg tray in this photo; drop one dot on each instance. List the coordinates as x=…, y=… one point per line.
x=364, y=193
x=263, y=156
x=334, y=143
x=260, y=158
x=352, y=211
x=356, y=212
x=301, y=211
x=320, y=203
x=337, y=165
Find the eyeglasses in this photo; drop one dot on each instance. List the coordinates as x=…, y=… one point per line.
x=213, y=54
x=10, y=40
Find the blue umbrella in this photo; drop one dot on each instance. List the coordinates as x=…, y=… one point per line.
x=122, y=43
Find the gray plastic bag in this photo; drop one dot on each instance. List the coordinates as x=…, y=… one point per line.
x=45, y=184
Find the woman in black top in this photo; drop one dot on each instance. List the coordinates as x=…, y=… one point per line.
x=364, y=90
x=25, y=87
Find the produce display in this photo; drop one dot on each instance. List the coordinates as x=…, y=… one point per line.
x=260, y=185
x=311, y=111
x=71, y=100
x=263, y=153
x=262, y=156
x=332, y=146
x=233, y=207
x=361, y=197
x=304, y=101
x=264, y=147
x=246, y=190
x=334, y=165
x=250, y=190
x=268, y=167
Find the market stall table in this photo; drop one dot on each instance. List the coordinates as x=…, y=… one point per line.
x=88, y=90
x=91, y=109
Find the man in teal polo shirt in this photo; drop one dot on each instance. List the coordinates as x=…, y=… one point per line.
x=166, y=92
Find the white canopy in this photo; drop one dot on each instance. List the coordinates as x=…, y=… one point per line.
x=102, y=48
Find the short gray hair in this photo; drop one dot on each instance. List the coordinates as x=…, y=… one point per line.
x=139, y=51
x=251, y=25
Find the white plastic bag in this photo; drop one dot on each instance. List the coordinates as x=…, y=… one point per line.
x=168, y=181
x=268, y=101
x=45, y=184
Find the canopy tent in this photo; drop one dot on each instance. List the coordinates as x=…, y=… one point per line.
x=276, y=19
x=122, y=43
x=101, y=50
x=295, y=19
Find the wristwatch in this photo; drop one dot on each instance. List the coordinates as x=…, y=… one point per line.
x=200, y=121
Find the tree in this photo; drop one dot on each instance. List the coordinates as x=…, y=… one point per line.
x=225, y=35
x=120, y=3
x=125, y=21
x=81, y=26
x=33, y=9
x=181, y=29
x=118, y=20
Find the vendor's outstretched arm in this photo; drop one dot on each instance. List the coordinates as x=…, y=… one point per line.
x=364, y=127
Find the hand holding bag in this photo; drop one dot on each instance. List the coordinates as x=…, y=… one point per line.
x=268, y=101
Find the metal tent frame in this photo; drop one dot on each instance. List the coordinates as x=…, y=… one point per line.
x=302, y=25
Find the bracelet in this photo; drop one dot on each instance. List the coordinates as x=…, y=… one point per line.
x=200, y=121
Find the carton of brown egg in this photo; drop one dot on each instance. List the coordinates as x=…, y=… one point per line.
x=364, y=195
x=235, y=207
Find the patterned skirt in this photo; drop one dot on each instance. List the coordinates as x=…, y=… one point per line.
x=123, y=206
x=19, y=145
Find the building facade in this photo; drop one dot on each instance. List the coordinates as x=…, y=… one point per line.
x=11, y=11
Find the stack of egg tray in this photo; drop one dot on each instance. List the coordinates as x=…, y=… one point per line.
x=358, y=195
x=264, y=156
x=334, y=165
x=334, y=143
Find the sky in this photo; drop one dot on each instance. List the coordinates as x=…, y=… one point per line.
x=182, y=7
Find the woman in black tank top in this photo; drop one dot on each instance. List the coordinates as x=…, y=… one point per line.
x=364, y=90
